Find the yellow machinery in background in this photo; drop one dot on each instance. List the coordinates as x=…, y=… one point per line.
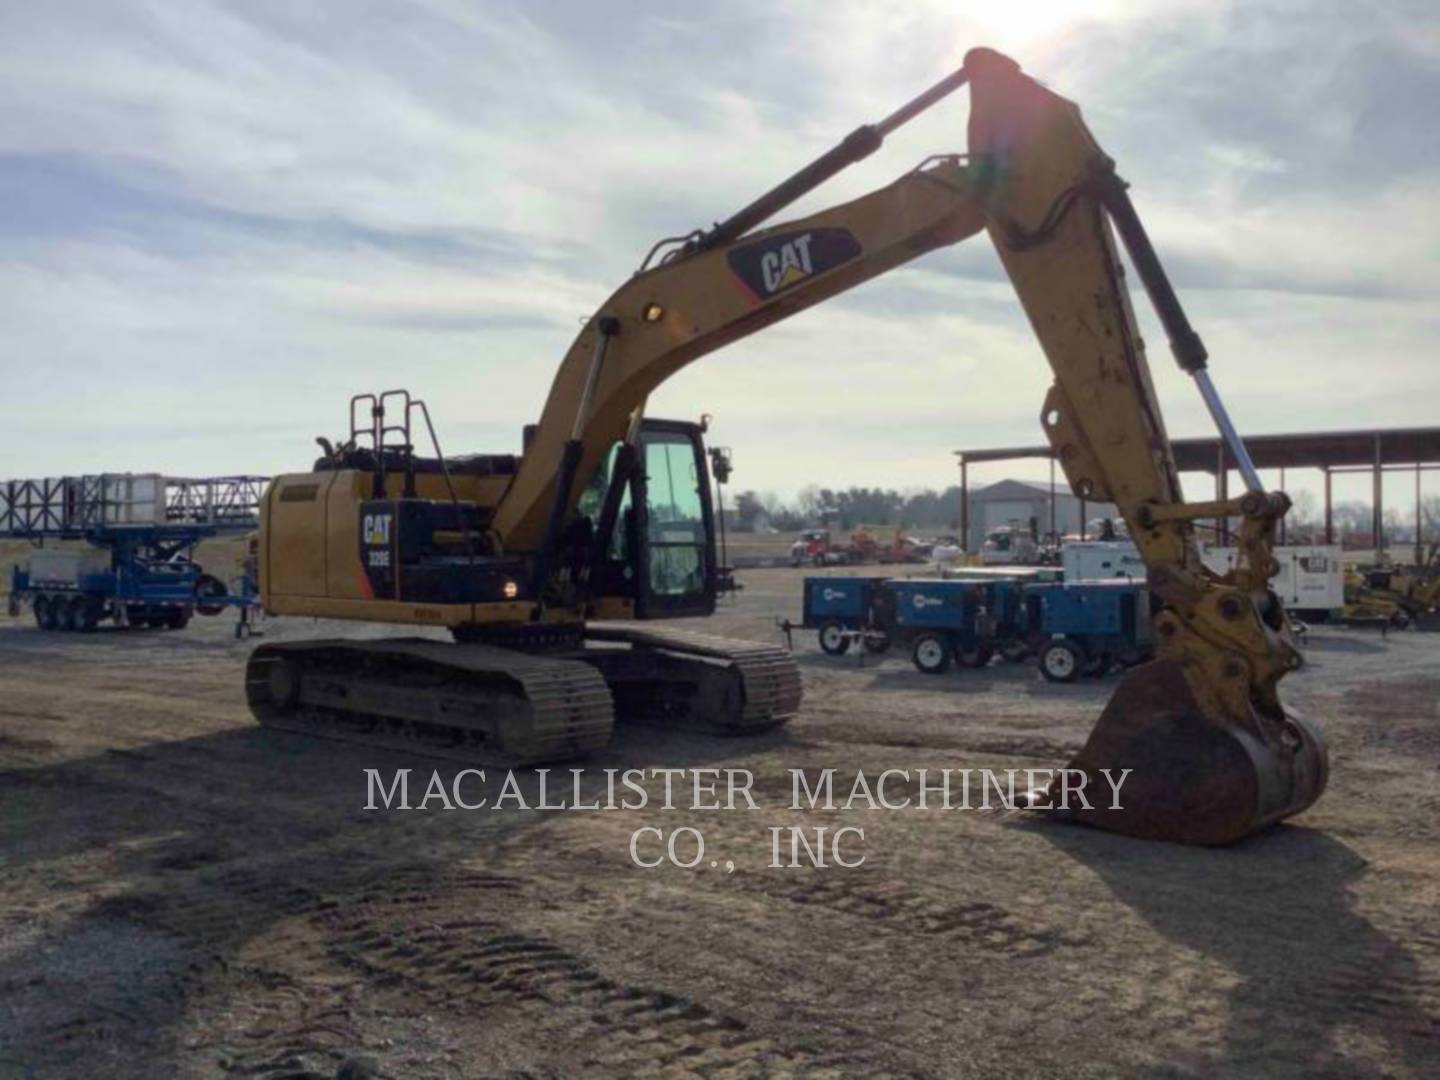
x=1406, y=596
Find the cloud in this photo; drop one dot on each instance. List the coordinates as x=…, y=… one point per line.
x=218, y=221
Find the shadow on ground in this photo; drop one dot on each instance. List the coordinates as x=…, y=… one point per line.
x=1316, y=980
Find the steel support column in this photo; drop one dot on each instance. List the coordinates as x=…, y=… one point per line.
x=1377, y=508
x=1329, y=506
x=964, y=506
x=1052, y=497
x=1283, y=516
x=1419, y=521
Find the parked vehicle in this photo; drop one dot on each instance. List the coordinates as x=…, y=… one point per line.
x=844, y=609
x=1009, y=545
x=128, y=553
x=944, y=620
x=1086, y=627
x=1310, y=581
x=813, y=547
x=1091, y=560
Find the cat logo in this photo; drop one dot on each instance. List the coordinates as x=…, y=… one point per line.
x=772, y=265
x=787, y=264
x=375, y=530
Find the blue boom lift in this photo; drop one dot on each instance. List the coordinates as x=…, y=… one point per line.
x=130, y=557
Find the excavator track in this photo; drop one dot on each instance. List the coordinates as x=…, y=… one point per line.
x=700, y=682
x=461, y=702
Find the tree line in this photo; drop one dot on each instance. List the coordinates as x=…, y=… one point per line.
x=931, y=510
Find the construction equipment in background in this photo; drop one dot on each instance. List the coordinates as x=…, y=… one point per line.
x=130, y=557
x=1072, y=628
x=1403, y=596
x=813, y=548
x=865, y=547
x=1083, y=560
x=1308, y=578
x=1010, y=545
x=539, y=563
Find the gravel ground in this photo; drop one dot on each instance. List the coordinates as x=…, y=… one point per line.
x=185, y=894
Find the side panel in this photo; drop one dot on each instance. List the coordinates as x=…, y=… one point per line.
x=837, y=598
x=938, y=605
x=292, y=527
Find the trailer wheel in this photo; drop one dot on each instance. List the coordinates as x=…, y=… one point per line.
x=72, y=614
x=833, y=641
x=931, y=654
x=1060, y=660
x=89, y=613
x=177, y=618
x=207, y=588
x=44, y=618
x=977, y=657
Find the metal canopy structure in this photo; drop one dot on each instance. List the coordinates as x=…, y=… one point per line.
x=110, y=504
x=1374, y=450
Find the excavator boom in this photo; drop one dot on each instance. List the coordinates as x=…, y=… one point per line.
x=1212, y=753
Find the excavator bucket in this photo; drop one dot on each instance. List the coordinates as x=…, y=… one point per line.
x=1157, y=766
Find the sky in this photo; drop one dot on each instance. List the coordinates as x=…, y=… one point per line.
x=220, y=220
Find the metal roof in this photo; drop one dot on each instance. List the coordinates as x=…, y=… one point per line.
x=1310, y=449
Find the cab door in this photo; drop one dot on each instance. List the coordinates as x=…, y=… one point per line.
x=674, y=521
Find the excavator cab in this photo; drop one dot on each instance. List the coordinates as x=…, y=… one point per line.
x=656, y=548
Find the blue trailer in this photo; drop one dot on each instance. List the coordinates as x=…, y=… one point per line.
x=944, y=620
x=846, y=609
x=1086, y=627
x=938, y=620
x=120, y=548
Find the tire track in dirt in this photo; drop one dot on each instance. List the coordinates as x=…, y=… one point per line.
x=411, y=942
x=896, y=907
x=303, y=957
x=414, y=939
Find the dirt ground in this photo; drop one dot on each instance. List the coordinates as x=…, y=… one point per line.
x=184, y=894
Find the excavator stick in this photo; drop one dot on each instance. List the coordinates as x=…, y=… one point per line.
x=1197, y=741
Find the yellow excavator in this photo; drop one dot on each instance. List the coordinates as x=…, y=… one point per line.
x=551, y=567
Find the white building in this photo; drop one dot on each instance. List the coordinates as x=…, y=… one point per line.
x=1019, y=502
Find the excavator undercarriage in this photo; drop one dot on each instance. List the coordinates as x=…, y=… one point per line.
x=500, y=706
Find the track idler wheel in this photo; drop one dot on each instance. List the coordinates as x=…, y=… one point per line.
x=1194, y=779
